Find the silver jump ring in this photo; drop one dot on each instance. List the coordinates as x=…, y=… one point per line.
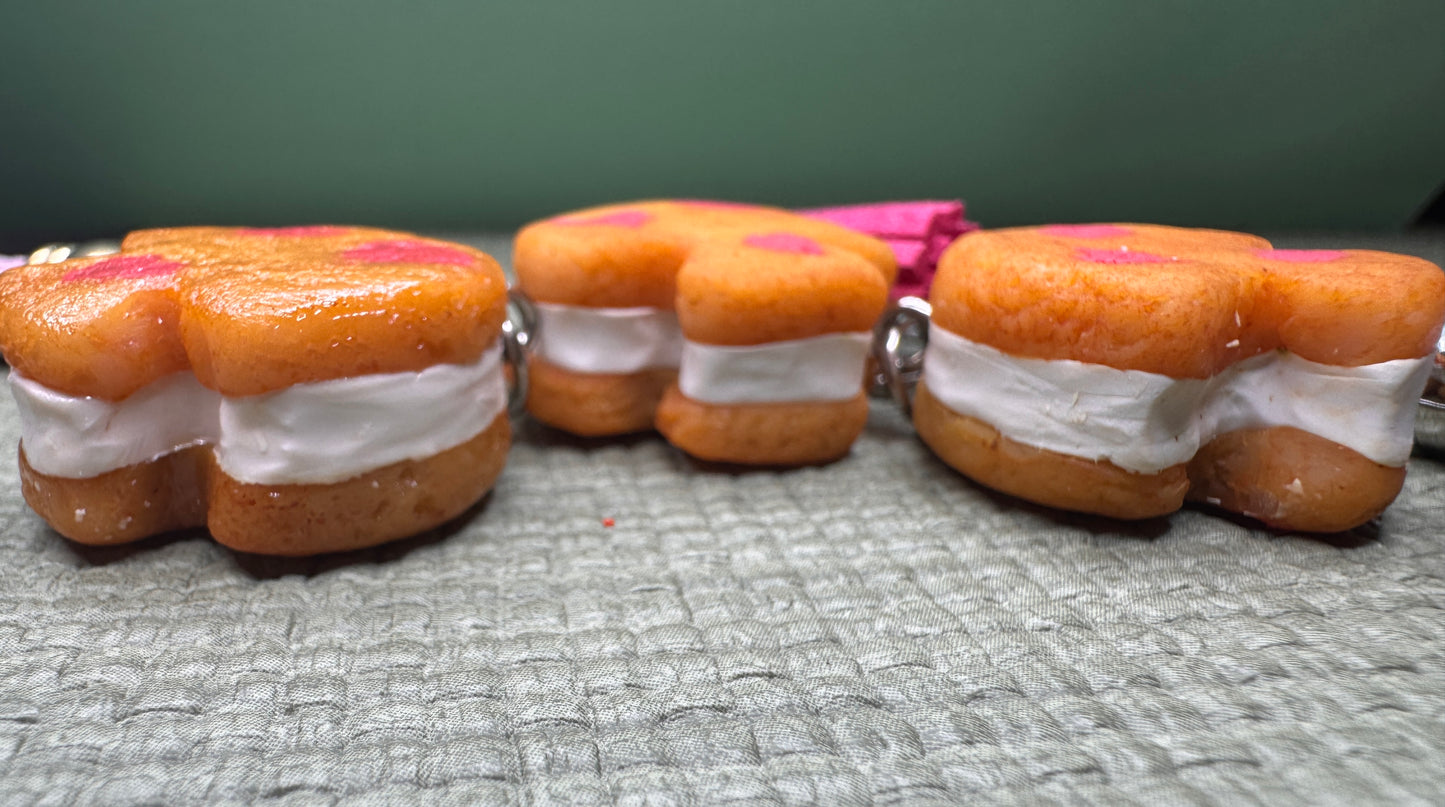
x=519, y=331
x=55, y=253
x=899, y=338
x=1430, y=414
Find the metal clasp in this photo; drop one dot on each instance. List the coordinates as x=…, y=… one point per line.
x=519, y=332
x=899, y=339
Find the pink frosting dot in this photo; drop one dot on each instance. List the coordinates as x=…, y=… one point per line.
x=1301, y=255
x=1119, y=256
x=1085, y=230
x=128, y=267
x=631, y=219
x=295, y=232
x=785, y=242
x=404, y=251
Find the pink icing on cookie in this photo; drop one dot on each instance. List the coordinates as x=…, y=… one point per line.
x=1119, y=256
x=128, y=267
x=1301, y=255
x=785, y=242
x=1085, y=231
x=405, y=251
x=295, y=232
x=621, y=218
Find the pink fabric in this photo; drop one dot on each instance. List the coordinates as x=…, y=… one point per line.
x=785, y=242
x=918, y=233
x=1301, y=255
x=11, y=261
x=908, y=253
x=295, y=232
x=1119, y=256
x=631, y=219
x=124, y=266
x=404, y=251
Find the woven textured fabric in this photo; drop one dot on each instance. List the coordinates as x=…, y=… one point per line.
x=877, y=631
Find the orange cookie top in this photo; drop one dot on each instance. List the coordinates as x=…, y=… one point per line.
x=775, y=287
x=628, y=255
x=1183, y=303
x=249, y=310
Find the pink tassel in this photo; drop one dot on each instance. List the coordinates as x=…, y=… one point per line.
x=918, y=232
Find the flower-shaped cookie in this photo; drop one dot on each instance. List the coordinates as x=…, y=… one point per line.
x=296, y=390
x=1119, y=368
x=739, y=332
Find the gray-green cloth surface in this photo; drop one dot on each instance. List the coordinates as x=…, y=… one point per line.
x=876, y=631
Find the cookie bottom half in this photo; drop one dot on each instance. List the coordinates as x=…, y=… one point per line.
x=806, y=433
x=1291, y=479
x=977, y=450
x=595, y=404
x=1282, y=476
x=126, y=504
x=187, y=489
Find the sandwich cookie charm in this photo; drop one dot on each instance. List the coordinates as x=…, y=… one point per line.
x=740, y=333
x=1122, y=369
x=294, y=390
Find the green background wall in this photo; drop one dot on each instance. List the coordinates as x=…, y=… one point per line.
x=473, y=115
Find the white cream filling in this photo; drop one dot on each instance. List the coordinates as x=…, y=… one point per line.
x=819, y=368
x=333, y=430
x=80, y=437
x=607, y=340
x=1147, y=422
x=320, y=433
x=629, y=340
